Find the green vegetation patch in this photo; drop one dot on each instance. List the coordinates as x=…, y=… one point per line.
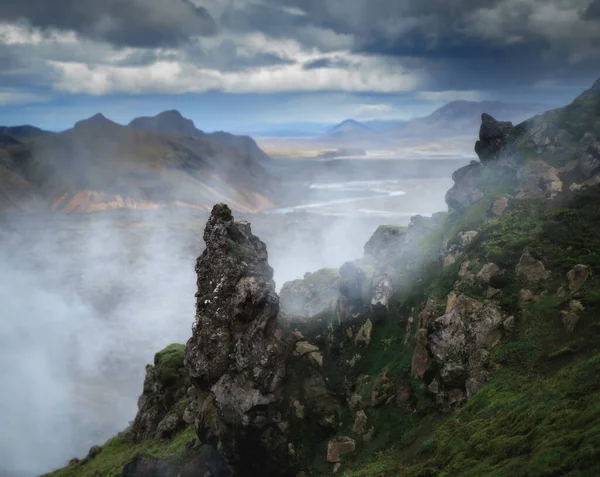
x=168, y=362
x=120, y=450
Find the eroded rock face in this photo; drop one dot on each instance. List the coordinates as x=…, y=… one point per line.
x=459, y=342
x=492, y=136
x=234, y=358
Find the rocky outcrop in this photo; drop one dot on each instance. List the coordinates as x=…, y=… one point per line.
x=163, y=401
x=384, y=243
x=313, y=294
x=465, y=191
x=492, y=137
x=235, y=358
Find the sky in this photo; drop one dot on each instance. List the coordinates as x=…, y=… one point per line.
x=251, y=65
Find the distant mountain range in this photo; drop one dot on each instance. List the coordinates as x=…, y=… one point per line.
x=151, y=163
x=457, y=118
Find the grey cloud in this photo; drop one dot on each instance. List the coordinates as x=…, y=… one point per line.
x=226, y=57
x=326, y=63
x=136, y=23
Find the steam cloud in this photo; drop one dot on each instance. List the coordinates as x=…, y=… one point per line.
x=86, y=301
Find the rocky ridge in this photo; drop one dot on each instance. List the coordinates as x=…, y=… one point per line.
x=470, y=312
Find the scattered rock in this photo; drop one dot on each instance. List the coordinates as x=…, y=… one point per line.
x=500, y=206
x=355, y=401
x=487, y=272
x=338, y=446
x=360, y=423
x=538, y=179
x=316, y=359
x=577, y=276
x=383, y=390
x=364, y=334
x=298, y=409
x=420, y=358
x=170, y=425
x=464, y=273
x=369, y=435
x=525, y=296
x=492, y=292
x=94, y=452
x=304, y=348
x=570, y=317
x=467, y=238
x=531, y=270
x=382, y=288
x=509, y=325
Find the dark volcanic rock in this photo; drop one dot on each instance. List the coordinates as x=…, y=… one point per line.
x=492, y=136
x=465, y=190
x=235, y=360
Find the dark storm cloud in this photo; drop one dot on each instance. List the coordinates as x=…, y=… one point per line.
x=136, y=23
x=465, y=44
x=592, y=12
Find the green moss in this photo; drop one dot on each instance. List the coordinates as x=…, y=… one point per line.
x=168, y=362
x=120, y=450
x=238, y=250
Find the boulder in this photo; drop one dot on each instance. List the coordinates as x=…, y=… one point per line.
x=531, y=270
x=338, y=446
x=360, y=423
x=420, y=358
x=492, y=137
x=500, y=206
x=487, y=272
x=570, y=316
x=466, y=238
x=364, y=333
x=577, y=276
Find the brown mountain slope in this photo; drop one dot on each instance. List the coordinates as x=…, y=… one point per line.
x=99, y=164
